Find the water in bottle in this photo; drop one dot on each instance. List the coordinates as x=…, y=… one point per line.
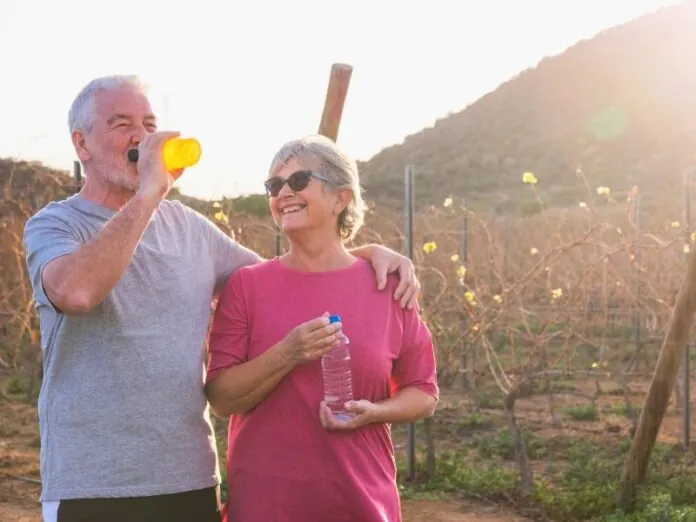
x=338, y=380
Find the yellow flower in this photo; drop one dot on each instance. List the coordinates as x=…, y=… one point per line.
x=429, y=247
x=447, y=203
x=595, y=365
x=603, y=191
x=470, y=297
x=497, y=299
x=221, y=216
x=533, y=251
x=582, y=204
x=674, y=224
x=461, y=271
x=454, y=258
x=530, y=178
x=556, y=293
x=693, y=236
x=687, y=249
x=217, y=205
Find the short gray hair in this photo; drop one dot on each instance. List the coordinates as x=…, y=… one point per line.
x=340, y=170
x=81, y=115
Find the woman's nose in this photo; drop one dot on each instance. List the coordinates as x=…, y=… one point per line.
x=285, y=190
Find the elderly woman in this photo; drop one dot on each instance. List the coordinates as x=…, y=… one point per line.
x=289, y=458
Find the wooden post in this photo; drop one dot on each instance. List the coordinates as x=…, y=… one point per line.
x=77, y=173
x=335, y=100
x=686, y=365
x=661, y=388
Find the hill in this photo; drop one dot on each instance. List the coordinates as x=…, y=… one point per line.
x=620, y=106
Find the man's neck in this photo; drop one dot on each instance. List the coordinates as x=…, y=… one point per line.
x=114, y=198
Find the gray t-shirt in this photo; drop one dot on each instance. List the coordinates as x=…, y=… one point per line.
x=122, y=409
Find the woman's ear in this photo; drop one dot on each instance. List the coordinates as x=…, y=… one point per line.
x=343, y=199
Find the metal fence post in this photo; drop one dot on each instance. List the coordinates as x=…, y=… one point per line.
x=686, y=366
x=408, y=221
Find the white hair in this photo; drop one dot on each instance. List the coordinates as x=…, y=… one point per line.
x=81, y=115
x=341, y=172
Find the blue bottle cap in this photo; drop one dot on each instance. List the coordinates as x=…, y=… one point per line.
x=334, y=319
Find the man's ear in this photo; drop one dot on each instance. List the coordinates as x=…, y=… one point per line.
x=79, y=142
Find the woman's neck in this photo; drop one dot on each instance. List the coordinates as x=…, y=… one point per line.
x=318, y=255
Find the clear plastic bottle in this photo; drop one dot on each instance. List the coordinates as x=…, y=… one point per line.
x=179, y=153
x=337, y=372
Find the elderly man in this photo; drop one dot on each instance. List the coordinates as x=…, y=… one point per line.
x=123, y=281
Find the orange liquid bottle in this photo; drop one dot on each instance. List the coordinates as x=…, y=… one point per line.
x=181, y=153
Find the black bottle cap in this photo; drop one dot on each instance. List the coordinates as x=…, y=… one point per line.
x=133, y=155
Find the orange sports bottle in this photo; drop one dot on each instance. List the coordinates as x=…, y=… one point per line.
x=179, y=153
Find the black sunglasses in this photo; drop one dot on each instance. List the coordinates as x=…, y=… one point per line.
x=297, y=181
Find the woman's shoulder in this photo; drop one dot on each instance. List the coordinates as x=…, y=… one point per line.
x=365, y=268
x=364, y=279
x=360, y=275
x=257, y=272
x=265, y=266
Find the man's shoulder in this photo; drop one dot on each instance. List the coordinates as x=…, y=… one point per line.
x=175, y=208
x=60, y=211
x=52, y=208
x=180, y=206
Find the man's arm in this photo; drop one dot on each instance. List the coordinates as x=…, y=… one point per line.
x=77, y=282
x=230, y=255
x=385, y=261
x=80, y=280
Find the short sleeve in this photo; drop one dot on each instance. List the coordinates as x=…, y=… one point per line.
x=227, y=254
x=46, y=237
x=415, y=366
x=228, y=343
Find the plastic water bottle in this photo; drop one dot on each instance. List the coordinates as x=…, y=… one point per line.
x=338, y=379
x=179, y=153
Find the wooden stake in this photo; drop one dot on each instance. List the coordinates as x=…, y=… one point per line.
x=335, y=100
x=661, y=387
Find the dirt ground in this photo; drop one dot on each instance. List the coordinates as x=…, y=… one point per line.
x=19, y=468
x=19, y=449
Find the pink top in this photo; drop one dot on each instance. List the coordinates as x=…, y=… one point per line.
x=282, y=465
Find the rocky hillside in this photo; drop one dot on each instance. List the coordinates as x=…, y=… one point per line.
x=621, y=106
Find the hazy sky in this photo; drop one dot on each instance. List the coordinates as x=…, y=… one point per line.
x=244, y=77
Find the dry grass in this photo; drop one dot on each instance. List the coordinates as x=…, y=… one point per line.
x=562, y=311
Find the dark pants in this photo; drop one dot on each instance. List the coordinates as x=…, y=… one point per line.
x=192, y=506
